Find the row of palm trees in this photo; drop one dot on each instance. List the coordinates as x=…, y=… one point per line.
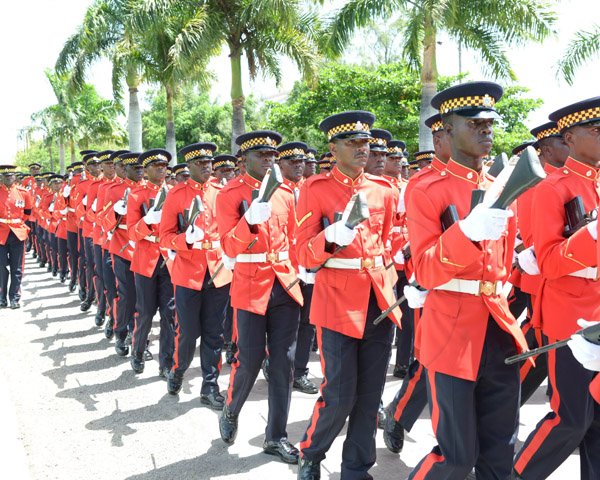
x=170, y=42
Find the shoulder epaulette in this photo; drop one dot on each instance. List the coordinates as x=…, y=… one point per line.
x=380, y=180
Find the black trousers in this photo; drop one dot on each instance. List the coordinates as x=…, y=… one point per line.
x=82, y=274
x=200, y=314
x=72, y=246
x=154, y=294
x=405, y=336
x=475, y=422
x=53, y=244
x=61, y=247
x=354, y=377
x=126, y=297
x=110, y=283
x=411, y=399
x=41, y=241
x=533, y=376
x=306, y=333
x=12, y=256
x=228, y=323
x=573, y=422
x=99, y=279
x=277, y=331
x=90, y=268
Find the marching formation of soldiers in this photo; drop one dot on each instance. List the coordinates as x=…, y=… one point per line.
x=262, y=252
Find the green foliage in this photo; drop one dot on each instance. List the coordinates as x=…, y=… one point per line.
x=391, y=91
x=39, y=153
x=197, y=119
x=583, y=47
x=514, y=109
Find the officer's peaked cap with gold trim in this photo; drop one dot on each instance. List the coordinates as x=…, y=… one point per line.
x=54, y=177
x=195, y=151
x=153, y=156
x=580, y=113
x=8, y=169
x=116, y=155
x=91, y=158
x=75, y=165
x=179, y=168
x=34, y=164
x=310, y=155
x=83, y=153
x=259, y=140
x=435, y=123
x=519, y=148
x=130, y=158
x=547, y=130
x=350, y=124
x=396, y=148
x=291, y=150
x=423, y=155
x=472, y=99
x=224, y=161
x=379, y=139
x=104, y=156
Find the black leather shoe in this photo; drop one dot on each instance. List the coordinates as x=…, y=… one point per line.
x=55, y=273
x=282, y=449
x=308, y=470
x=85, y=305
x=137, y=362
x=174, y=382
x=393, y=434
x=163, y=372
x=128, y=338
x=148, y=355
x=120, y=347
x=230, y=351
x=3, y=304
x=49, y=268
x=63, y=278
x=228, y=425
x=34, y=255
x=108, y=329
x=99, y=319
x=305, y=385
x=72, y=287
x=265, y=368
x=382, y=415
x=400, y=371
x=82, y=294
x=14, y=304
x=214, y=400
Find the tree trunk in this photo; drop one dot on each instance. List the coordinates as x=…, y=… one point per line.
x=61, y=154
x=429, y=77
x=73, y=155
x=134, y=119
x=238, y=125
x=171, y=145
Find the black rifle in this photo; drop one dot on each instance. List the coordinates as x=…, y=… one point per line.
x=576, y=215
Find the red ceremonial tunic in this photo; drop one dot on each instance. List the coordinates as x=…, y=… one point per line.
x=119, y=243
x=13, y=203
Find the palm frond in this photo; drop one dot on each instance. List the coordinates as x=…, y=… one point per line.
x=582, y=48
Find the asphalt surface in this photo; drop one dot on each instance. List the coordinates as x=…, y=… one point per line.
x=70, y=408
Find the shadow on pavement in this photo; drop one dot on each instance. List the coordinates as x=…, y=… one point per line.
x=59, y=375
x=43, y=323
x=59, y=355
x=47, y=342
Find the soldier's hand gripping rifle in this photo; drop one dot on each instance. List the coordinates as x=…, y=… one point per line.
x=270, y=183
x=591, y=334
x=120, y=217
x=357, y=211
x=528, y=172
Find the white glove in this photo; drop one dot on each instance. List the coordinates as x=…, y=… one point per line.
x=63, y=211
x=67, y=191
x=51, y=207
x=193, y=234
x=399, y=257
x=484, y=223
x=340, y=234
x=120, y=208
x=109, y=236
x=258, y=212
x=306, y=276
x=84, y=200
x=415, y=297
x=401, y=207
x=228, y=262
x=153, y=217
x=171, y=254
x=586, y=353
x=94, y=204
x=593, y=229
x=528, y=262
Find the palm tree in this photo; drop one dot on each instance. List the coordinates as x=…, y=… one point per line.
x=485, y=26
x=584, y=46
x=104, y=32
x=263, y=31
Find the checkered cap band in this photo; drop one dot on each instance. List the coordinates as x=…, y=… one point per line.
x=224, y=163
x=152, y=158
x=547, y=133
x=395, y=150
x=258, y=141
x=130, y=161
x=348, y=127
x=424, y=156
x=469, y=101
x=104, y=157
x=8, y=169
x=292, y=153
x=310, y=155
x=437, y=126
x=578, y=117
x=92, y=159
x=378, y=141
x=198, y=153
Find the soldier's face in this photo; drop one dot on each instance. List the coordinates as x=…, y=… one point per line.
x=226, y=173
x=94, y=169
x=376, y=162
x=156, y=172
x=470, y=138
x=182, y=177
x=310, y=168
x=55, y=186
x=8, y=179
x=292, y=169
x=351, y=154
x=135, y=173
x=584, y=143
x=108, y=169
x=120, y=170
x=200, y=169
x=441, y=145
x=259, y=161
x=393, y=165
x=554, y=151
x=34, y=170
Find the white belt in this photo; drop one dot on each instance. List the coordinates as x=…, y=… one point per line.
x=355, y=263
x=151, y=238
x=588, y=272
x=122, y=227
x=472, y=287
x=11, y=221
x=397, y=229
x=70, y=209
x=262, y=257
x=206, y=245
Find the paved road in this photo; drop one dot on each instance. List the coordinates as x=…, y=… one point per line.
x=70, y=408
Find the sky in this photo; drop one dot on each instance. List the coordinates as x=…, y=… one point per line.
x=34, y=32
